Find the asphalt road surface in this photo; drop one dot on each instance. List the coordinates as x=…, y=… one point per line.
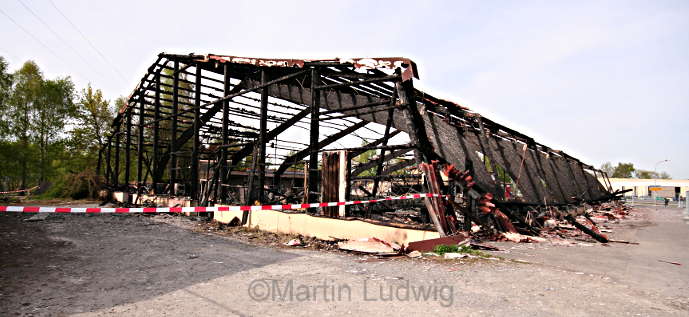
x=95, y=265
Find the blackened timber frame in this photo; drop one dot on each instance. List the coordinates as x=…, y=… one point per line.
x=332, y=92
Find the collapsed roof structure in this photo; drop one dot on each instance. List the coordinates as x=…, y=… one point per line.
x=195, y=124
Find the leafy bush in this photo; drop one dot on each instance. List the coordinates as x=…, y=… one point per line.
x=74, y=185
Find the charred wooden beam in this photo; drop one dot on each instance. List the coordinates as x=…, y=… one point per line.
x=599, y=237
x=374, y=110
x=364, y=106
x=116, y=170
x=359, y=82
x=313, y=137
x=262, y=137
x=127, y=149
x=379, y=167
x=415, y=124
x=140, y=148
x=196, y=138
x=173, y=131
x=108, y=153
x=156, y=175
x=225, y=122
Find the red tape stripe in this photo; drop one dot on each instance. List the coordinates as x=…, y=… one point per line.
x=29, y=209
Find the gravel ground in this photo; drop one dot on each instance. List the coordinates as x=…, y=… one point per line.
x=94, y=265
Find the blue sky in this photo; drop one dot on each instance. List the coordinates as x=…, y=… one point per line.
x=601, y=80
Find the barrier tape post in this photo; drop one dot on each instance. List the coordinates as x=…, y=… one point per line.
x=36, y=209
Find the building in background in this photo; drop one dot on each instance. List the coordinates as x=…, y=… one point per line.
x=665, y=188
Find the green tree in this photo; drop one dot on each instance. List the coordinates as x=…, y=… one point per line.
x=55, y=108
x=36, y=144
x=365, y=158
x=645, y=174
x=623, y=170
x=26, y=90
x=93, y=117
x=5, y=93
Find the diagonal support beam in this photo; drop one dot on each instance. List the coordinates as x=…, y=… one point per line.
x=247, y=149
x=295, y=158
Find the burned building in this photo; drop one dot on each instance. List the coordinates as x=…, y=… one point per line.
x=223, y=129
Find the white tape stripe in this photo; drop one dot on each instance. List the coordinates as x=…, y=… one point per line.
x=207, y=209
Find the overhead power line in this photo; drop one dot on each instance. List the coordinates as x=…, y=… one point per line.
x=83, y=36
x=47, y=48
x=62, y=39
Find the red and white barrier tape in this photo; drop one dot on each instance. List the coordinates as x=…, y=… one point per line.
x=206, y=209
x=19, y=190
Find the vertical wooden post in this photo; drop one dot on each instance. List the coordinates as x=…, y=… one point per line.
x=313, y=141
x=306, y=182
x=196, y=139
x=173, y=128
x=128, y=145
x=140, y=141
x=262, y=137
x=108, y=152
x=225, y=129
x=116, y=170
x=156, y=134
x=330, y=171
x=343, y=186
x=348, y=176
x=379, y=166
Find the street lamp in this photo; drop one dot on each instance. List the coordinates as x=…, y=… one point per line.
x=655, y=169
x=655, y=179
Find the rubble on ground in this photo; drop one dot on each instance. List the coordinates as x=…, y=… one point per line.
x=554, y=227
x=371, y=246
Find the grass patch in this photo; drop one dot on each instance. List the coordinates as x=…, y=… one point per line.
x=443, y=248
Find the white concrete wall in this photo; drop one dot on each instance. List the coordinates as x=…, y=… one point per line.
x=640, y=186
